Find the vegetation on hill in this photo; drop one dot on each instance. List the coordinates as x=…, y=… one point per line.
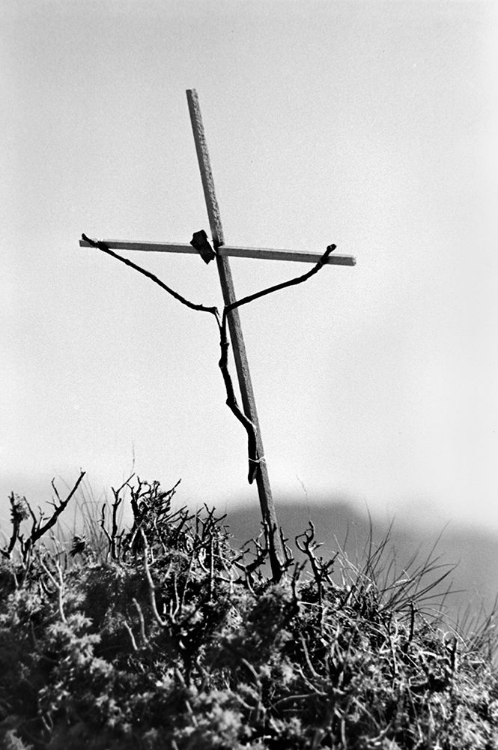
x=163, y=635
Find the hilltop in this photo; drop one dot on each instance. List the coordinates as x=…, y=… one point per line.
x=165, y=635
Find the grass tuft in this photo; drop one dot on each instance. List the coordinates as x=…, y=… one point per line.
x=159, y=633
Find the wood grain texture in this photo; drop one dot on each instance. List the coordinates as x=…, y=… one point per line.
x=259, y=253
x=260, y=470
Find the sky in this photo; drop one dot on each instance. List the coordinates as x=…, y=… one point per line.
x=371, y=125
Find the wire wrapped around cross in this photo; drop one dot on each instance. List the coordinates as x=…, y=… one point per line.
x=207, y=253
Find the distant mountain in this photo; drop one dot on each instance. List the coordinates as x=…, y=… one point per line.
x=339, y=524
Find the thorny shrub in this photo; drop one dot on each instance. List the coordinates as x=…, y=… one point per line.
x=167, y=637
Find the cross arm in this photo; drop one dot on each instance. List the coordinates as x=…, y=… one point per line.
x=263, y=253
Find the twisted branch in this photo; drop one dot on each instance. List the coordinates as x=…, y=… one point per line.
x=102, y=246
x=283, y=284
x=231, y=400
x=232, y=403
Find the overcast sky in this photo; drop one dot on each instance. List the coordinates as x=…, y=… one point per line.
x=369, y=125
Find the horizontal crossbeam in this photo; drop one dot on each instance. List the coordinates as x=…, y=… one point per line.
x=263, y=253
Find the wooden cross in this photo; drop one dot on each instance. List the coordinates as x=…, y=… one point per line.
x=221, y=253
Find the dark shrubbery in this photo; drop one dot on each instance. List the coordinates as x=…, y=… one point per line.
x=163, y=636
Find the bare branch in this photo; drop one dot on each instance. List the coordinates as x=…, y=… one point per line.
x=150, y=583
x=102, y=246
x=142, y=621
x=233, y=405
x=132, y=637
x=231, y=401
x=55, y=490
x=283, y=285
x=109, y=538
x=38, y=530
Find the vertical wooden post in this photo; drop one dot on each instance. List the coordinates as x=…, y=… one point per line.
x=239, y=350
